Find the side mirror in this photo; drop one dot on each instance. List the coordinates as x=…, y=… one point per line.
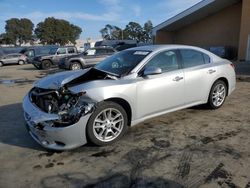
x=152, y=71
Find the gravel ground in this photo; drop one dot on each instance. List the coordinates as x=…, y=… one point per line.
x=194, y=147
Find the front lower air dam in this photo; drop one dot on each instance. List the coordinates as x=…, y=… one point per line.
x=40, y=127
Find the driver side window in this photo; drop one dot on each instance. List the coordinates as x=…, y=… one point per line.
x=61, y=51
x=166, y=60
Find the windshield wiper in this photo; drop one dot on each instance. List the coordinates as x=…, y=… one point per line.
x=112, y=77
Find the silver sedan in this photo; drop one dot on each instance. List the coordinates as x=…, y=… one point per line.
x=65, y=110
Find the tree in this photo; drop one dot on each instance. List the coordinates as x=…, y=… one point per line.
x=134, y=31
x=111, y=32
x=18, y=30
x=57, y=31
x=148, y=28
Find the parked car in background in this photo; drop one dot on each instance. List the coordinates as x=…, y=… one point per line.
x=32, y=51
x=225, y=52
x=15, y=58
x=10, y=50
x=67, y=109
x=54, y=56
x=119, y=45
x=86, y=59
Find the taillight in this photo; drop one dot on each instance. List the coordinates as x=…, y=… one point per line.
x=232, y=65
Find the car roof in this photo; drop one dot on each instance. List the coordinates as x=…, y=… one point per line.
x=13, y=54
x=162, y=47
x=155, y=48
x=103, y=47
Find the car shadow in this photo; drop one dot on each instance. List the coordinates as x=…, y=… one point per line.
x=32, y=68
x=200, y=107
x=12, y=128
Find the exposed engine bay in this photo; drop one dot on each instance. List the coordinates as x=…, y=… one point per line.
x=69, y=106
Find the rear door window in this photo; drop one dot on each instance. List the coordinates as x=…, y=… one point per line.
x=192, y=58
x=61, y=51
x=71, y=50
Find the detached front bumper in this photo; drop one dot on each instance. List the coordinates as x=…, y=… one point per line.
x=56, y=138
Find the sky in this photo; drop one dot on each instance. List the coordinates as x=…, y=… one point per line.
x=93, y=15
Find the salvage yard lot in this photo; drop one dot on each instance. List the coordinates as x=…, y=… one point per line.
x=194, y=147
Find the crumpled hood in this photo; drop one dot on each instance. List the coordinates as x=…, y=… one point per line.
x=57, y=80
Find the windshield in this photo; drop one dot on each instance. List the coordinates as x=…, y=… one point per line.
x=52, y=51
x=123, y=62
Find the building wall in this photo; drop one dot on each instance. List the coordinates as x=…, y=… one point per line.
x=245, y=30
x=164, y=37
x=220, y=29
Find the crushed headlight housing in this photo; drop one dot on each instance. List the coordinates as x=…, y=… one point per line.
x=70, y=107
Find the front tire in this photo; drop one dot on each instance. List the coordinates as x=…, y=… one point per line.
x=217, y=95
x=107, y=124
x=1, y=64
x=46, y=64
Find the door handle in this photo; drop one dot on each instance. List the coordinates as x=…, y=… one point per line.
x=211, y=71
x=177, y=78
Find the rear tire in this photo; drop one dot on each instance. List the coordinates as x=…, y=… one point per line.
x=46, y=64
x=107, y=124
x=217, y=95
x=1, y=64
x=75, y=66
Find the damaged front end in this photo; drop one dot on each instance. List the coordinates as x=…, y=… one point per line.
x=56, y=119
x=57, y=115
x=69, y=107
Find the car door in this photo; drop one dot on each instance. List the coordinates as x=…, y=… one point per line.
x=101, y=54
x=61, y=53
x=9, y=59
x=161, y=92
x=198, y=75
x=15, y=58
x=90, y=56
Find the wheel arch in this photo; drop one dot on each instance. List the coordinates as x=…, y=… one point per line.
x=224, y=79
x=21, y=60
x=125, y=105
x=48, y=60
x=76, y=61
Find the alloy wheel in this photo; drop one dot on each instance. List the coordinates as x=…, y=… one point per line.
x=219, y=94
x=75, y=66
x=108, y=124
